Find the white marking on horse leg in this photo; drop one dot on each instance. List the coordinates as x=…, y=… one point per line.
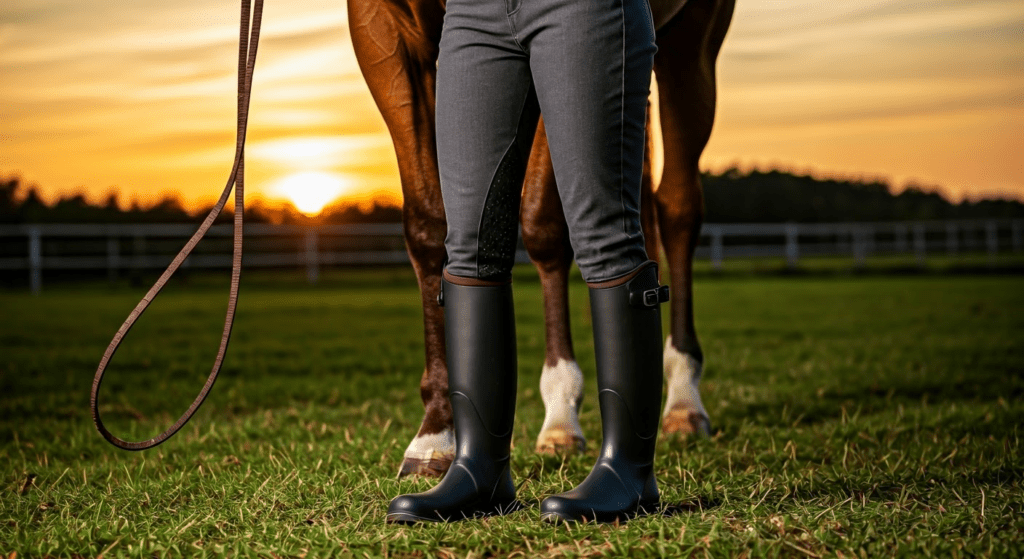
x=561, y=388
x=684, y=411
x=438, y=446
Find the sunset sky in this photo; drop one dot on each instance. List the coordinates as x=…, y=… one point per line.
x=139, y=97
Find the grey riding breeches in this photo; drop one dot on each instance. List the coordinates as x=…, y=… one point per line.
x=586, y=65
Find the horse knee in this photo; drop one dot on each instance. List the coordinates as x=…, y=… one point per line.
x=679, y=205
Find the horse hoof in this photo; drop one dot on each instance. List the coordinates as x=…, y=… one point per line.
x=560, y=442
x=686, y=421
x=435, y=466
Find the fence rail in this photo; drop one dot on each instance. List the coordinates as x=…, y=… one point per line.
x=115, y=248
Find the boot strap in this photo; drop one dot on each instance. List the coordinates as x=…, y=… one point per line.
x=649, y=297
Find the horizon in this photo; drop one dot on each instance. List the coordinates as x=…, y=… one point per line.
x=281, y=206
x=918, y=92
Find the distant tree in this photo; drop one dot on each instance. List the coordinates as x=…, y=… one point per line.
x=353, y=213
x=779, y=196
x=110, y=202
x=8, y=204
x=32, y=208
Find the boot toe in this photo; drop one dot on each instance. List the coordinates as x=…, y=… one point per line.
x=409, y=509
x=558, y=508
x=602, y=497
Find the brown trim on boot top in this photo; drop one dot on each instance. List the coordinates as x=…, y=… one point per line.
x=472, y=282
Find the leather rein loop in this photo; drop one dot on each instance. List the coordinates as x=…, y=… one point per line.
x=247, y=44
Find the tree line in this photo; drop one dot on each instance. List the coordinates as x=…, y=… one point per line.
x=775, y=196
x=22, y=204
x=730, y=196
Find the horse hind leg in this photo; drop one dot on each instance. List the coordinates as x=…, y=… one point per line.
x=546, y=237
x=685, y=69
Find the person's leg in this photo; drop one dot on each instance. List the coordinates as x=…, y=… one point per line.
x=486, y=116
x=592, y=64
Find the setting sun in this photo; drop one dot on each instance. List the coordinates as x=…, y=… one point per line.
x=311, y=191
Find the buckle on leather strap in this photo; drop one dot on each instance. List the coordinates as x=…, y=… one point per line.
x=649, y=297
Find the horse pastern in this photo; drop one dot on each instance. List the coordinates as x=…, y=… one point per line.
x=561, y=389
x=433, y=467
x=429, y=455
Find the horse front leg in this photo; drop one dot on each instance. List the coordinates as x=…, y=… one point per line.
x=432, y=450
x=546, y=237
x=688, y=46
x=397, y=53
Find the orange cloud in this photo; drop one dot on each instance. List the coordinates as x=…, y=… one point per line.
x=141, y=97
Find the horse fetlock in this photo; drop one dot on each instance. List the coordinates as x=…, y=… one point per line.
x=561, y=388
x=429, y=455
x=684, y=412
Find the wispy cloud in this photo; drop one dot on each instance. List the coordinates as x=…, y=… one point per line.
x=141, y=95
x=843, y=86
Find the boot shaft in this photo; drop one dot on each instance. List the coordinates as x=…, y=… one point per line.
x=482, y=368
x=480, y=335
x=627, y=346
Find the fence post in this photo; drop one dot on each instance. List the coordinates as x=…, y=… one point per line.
x=901, y=232
x=859, y=246
x=951, y=239
x=113, y=257
x=792, y=244
x=35, y=260
x=920, y=245
x=139, y=248
x=716, y=248
x=312, y=257
x=991, y=241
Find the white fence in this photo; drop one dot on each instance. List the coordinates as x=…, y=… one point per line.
x=33, y=248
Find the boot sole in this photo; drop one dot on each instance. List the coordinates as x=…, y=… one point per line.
x=498, y=510
x=611, y=518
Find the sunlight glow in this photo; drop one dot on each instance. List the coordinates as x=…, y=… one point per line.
x=922, y=90
x=310, y=191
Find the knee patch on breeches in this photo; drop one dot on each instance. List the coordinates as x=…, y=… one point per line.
x=498, y=233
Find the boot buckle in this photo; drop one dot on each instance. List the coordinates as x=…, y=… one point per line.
x=649, y=297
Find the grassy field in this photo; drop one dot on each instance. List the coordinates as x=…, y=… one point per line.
x=855, y=416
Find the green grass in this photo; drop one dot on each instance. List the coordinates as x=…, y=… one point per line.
x=855, y=416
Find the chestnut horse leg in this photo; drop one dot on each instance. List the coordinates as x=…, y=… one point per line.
x=546, y=237
x=688, y=47
x=396, y=46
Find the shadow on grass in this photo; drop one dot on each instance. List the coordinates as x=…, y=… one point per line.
x=696, y=505
x=833, y=404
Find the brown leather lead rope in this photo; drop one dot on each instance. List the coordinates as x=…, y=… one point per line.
x=247, y=43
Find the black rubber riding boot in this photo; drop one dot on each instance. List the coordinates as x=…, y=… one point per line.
x=481, y=342
x=627, y=343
